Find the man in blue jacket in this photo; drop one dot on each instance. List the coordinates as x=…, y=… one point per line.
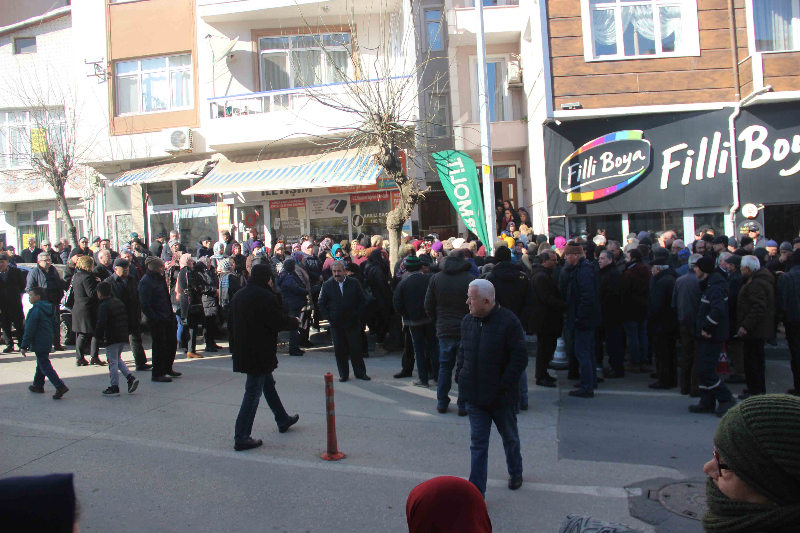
x=490, y=362
x=39, y=327
x=157, y=308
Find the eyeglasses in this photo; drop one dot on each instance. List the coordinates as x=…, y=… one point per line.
x=720, y=465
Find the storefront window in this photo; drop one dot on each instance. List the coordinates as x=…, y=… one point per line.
x=329, y=216
x=124, y=227
x=194, y=224
x=184, y=199
x=252, y=216
x=80, y=227
x=369, y=212
x=160, y=222
x=656, y=221
x=287, y=219
x=715, y=220
x=588, y=226
x=159, y=193
x=34, y=225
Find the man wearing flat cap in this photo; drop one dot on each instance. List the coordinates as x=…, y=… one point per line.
x=158, y=244
x=126, y=289
x=754, y=232
x=719, y=244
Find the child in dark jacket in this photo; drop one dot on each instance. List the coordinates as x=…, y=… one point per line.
x=39, y=327
x=112, y=332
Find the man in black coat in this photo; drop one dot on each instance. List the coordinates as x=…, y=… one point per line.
x=158, y=244
x=157, y=307
x=788, y=303
x=662, y=322
x=126, y=290
x=55, y=256
x=31, y=253
x=547, y=315
x=46, y=276
x=256, y=316
x=12, y=285
x=104, y=266
x=12, y=256
x=409, y=302
x=730, y=263
x=491, y=359
x=610, y=330
x=342, y=302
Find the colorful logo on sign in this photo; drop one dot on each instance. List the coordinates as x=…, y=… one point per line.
x=604, y=166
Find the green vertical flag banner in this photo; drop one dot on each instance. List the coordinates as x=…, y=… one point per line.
x=459, y=179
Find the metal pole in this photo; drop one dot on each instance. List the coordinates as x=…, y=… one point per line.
x=486, y=134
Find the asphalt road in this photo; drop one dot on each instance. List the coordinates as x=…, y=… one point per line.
x=162, y=459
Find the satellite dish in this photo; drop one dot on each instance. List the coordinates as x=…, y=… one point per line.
x=227, y=51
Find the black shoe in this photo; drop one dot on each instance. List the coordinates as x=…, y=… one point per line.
x=462, y=412
x=548, y=377
x=306, y=344
x=60, y=391
x=248, y=444
x=441, y=410
x=81, y=362
x=174, y=374
x=161, y=379
x=515, y=482
x=112, y=390
x=211, y=349
x=614, y=374
x=364, y=377
x=292, y=421
x=523, y=407
x=300, y=353
x=133, y=384
x=403, y=374
x=144, y=367
x=343, y=379
x=9, y=349
x=34, y=388
x=699, y=408
x=97, y=361
x=59, y=348
x=545, y=383
x=723, y=407
x=658, y=385
x=581, y=394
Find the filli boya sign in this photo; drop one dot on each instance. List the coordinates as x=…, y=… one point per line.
x=604, y=166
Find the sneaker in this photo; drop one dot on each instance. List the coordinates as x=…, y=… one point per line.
x=112, y=390
x=247, y=444
x=419, y=383
x=133, y=384
x=34, y=388
x=292, y=421
x=60, y=391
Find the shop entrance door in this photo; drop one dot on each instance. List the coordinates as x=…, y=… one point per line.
x=781, y=222
x=505, y=184
x=436, y=215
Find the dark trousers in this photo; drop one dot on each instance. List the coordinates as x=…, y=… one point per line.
x=85, y=345
x=690, y=347
x=294, y=334
x=137, y=349
x=12, y=323
x=612, y=336
x=426, y=349
x=57, y=330
x=409, y=358
x=545, y=348
x=190, y=332
x=584, y=353
x=712, y=388
x=210, y=330
x=735, y=349
x=793, y=338
x=45, y=368
x=347, y=343
x=165, y=344
x=448, y=351
x=754, y=366
x=382, y=322
x=480, y=424
x=666, y=356
x=254, y=387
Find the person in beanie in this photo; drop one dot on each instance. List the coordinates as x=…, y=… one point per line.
x=39, y=326
x=789, y=308
x=112, y=332
x=711, y=329
x=753, y=483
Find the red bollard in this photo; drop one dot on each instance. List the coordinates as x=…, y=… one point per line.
x=333, y=453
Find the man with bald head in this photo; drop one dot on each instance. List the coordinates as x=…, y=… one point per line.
x=489, y=365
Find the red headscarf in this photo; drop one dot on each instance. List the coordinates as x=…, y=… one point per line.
x=444, y=504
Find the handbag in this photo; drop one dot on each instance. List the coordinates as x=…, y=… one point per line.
x=68, y=300
x=194, y=309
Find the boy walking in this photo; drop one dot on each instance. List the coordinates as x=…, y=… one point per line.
x=112, y=332
x=39, y=328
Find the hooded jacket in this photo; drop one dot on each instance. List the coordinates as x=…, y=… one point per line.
x=712, y=315
x=755, y=311
x=512, y=289
x=40, y=326
x=446, y=297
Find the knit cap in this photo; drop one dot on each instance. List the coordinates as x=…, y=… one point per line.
x=413, y=263
x=685, y=253
x=437, y=246
x=786, y=246
x=759, y=440
x=771, y=244
x=705, y=264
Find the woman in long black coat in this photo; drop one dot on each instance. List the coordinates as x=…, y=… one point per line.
x=84, y=312
x=189, y=289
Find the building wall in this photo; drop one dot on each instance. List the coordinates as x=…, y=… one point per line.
x=14, y=11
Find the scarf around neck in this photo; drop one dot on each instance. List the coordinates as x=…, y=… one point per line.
x=730, y=516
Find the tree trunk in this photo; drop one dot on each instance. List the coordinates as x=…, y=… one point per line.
x=410, y=195
x=62, y=204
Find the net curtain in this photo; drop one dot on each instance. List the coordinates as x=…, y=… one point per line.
x=641, y=16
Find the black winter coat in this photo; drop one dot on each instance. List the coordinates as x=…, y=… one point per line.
x=512, y=289
x=712, y=315
x=547, y=315
x=662, y=318
x=756, y=307
x=11, y=291
x=29, y=256
x=409, y=298
x=112, y=322
x=789, y=295
x=342, y=311
x=611, y=296
x=446, y=298
x=84, y=312
x=735, y=281
x=102, y=273
x=127, y=291
x=256, y=316
x=156, y=248
x=209, y=289
x=635, y=291
x=581, y=292
x=190, y=287
x=293, y=291
x=154, y=297
x=377, y=282
x=491, y=359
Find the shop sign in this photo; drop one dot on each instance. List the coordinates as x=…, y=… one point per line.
x=750, y=210
x=369, y=197
x=281, y=192
x=289, y=202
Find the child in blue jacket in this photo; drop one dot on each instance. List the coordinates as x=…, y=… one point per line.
x=40, y=326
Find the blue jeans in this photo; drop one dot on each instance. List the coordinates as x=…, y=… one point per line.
x=448, y=350
x=584, y=353
x=424, y=339
x=255, y=385
x=294, y=334
x=115, y=363
x=480, y=423
x=636, y=331
x=45, y=368
x=179, y=335
x=523, y=388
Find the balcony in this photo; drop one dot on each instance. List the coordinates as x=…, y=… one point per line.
x=506, y=136
x=241, y=10
x=501, y=23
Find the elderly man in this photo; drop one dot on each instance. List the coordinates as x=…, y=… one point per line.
x=55, y=257
x=105, y=244
x=126, y=289
x=157, y=307
x=491, y=359
x=83, y=248
x=64, y=249
x=342, y=302
x=755, y=317
x=674, y=258
x=46, y=276
x=105, y=265
x=12, y=285
x=31, y=253
x=686, y=301
x=666, y=239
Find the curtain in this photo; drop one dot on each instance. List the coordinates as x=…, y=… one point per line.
x=181, y=88
x=307, y=65
x=773, y=25
x=155, y=91
x=336, y=66
x=641, y=17
x=670, y=18
x=496, y=91
x=274, y=75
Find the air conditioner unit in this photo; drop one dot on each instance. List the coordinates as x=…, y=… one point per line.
x=514, y=74
x=177, y=139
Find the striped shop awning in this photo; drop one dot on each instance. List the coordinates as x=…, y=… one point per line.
x=335, y=169
x=159, y=173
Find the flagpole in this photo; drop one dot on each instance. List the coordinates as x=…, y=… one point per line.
x=486, y=136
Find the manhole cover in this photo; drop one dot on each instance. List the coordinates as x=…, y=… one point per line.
x=685, y=499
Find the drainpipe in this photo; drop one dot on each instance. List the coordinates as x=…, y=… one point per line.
x=732, y=134
x=734, y=50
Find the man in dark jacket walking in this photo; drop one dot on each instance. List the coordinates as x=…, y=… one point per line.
x=342, y=302
x=547, y=315
x=157, y=307
x=662, y=321
x=635, y=289
x=686, y=301
x=789, y=308
x=446, y=305
x=611, y=307
x=580, y=290
x=126, y=290
x=46, y=276
x=409, y=302
x=711, y=329
x=12, y=286
x=256, y=317
x=491, y=359
x=755, y=318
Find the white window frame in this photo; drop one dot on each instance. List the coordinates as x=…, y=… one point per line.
x=167, y=70
x=751, y=28
x=428, y=45
x=6, y=155
x=690, y=28
x=287, y=53
x=473, y=85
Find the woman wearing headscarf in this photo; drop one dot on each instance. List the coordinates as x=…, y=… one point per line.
x=210, y=290
x=305, y=316
x=447, y=504
x=376, y=276
x=295, y=297
x=228, y=286
x=84, y=312
x=191, y=315
x=278, y=257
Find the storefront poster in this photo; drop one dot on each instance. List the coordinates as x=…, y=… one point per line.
x=459, y=179
x=327, y=206
x=223, y=215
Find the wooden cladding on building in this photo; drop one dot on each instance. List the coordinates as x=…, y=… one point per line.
x=782, y=71
x=653, y=81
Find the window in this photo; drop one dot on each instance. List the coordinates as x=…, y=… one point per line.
x=620, y=29
x=184, y=199
x=303, y=61
x=439, y=126
x=25, y=45
x=32, y=224
x=496, y=87
x=433, y=25
x=656, y=221
x=154, y=84
x=160, y=193
x=19, y=127
x=777, y=25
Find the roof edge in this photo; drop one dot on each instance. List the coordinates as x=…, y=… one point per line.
x=38, y=19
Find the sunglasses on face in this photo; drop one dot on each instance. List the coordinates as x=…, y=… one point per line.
x=720, y=465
